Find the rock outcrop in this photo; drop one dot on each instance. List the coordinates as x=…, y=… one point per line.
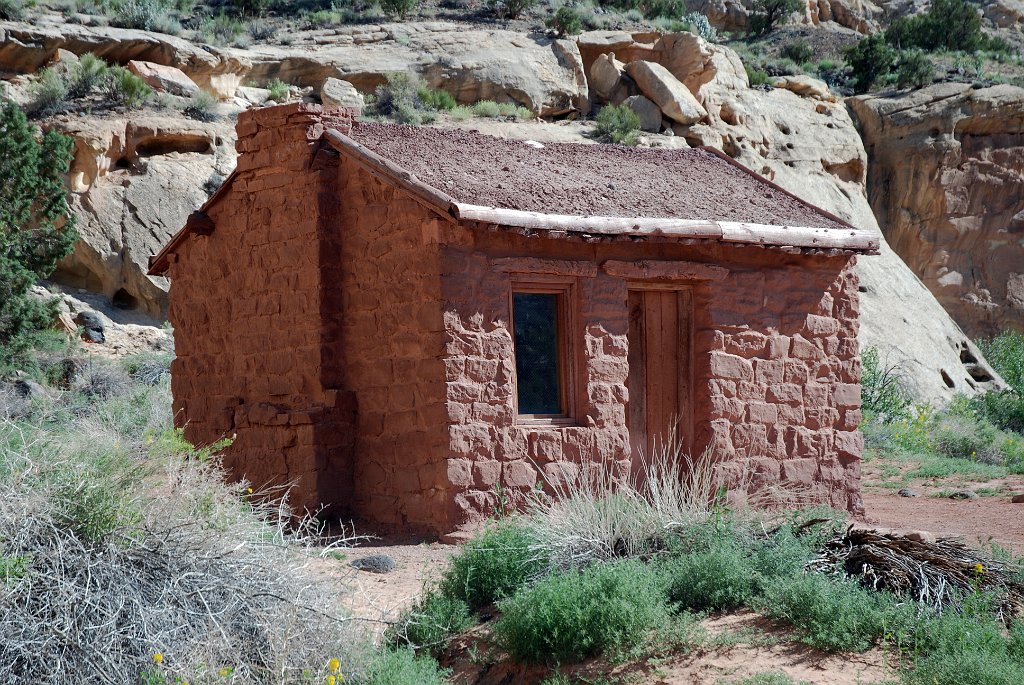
x=134, y=183
x=808, y=145
x=946, y=182
x=543, y=74
x=27, y=47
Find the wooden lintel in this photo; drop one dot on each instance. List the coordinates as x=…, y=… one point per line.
x=536, y=265
x=664, y=270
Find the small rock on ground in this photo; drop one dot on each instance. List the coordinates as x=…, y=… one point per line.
x=1018, y=498
x=907, y=492
x=376, y=563
x=963, y=494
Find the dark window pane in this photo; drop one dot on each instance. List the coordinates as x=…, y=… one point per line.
x=535, y=320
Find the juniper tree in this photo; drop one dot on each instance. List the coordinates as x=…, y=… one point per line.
x=36, y=228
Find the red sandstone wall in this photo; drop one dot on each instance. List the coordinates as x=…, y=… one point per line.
x=253, y=357
x=390, y=322
x=775, y=370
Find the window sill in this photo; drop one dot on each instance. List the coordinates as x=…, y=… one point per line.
x=546, y=422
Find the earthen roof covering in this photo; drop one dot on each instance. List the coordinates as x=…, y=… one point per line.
x=588, y=180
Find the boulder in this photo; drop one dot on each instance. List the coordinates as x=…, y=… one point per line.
x=649, y=113
x=540, y=73
x=92, y=326
x=1017, y=499
x=254, y=96
x=606, y=75
x=1006, y=14
x=160, y=77
x=666, y=91
x=948, y=187
x=26, y=47
x=337, y=93
x=805, y=86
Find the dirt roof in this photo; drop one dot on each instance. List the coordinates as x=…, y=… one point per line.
x=587, y=180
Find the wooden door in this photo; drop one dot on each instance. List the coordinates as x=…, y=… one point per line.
x=659, y=368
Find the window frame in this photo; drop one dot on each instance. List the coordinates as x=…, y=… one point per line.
x=564, y=288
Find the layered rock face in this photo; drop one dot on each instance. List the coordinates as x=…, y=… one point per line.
x=946, y=182
x=809, y=146
x=134, y=182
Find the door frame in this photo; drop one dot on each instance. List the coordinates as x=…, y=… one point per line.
x=688, y=357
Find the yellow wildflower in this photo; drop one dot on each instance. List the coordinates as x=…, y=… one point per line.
x=224, y=672
x=158, y=658
x=332, y=680
x=249, y=490
x=979, y=569
x=333, y=665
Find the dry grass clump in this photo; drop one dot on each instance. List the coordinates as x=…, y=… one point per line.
x=600, y=513
x=119, y=542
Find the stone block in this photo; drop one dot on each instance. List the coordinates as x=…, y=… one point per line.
x=730, y=366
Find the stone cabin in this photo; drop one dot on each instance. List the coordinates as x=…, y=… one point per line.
x=404, y=322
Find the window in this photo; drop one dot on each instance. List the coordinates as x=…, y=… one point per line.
x=540, y=323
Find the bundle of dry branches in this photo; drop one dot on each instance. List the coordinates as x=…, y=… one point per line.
x=936, y=574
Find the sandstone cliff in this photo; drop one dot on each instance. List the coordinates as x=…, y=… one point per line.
x=946, y=182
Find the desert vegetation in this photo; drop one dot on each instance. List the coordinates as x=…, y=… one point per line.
x=628, y=572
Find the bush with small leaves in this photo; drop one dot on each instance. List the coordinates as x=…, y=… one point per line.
x=12, y=10
x=870, y=59
x=278, y=90
x=567, y=617
x=261, y=30
x=404, y=667
x=800, y=51
x=492, y=566
x=914, y=69
x=90, y=73
x=49, y=92
x=430, y=623
x=147, y=15
x=251, y=8
x=567, y=21
x=398, y=8
x=947, y=25
x=701, y=25
x=221, y=29
x=756, y=76
x=767, y=14
x=618, y=124
x=881, y=388
x=510, y=9
x=125, y=88
x=202, y=107
x=437, y=100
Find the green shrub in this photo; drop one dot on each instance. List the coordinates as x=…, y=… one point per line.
x=430, y=623
x=49, y=92
x=401, y=89
x=222, y=29
x=261, y=30
x=1005, y=409
x=404, y=667
x=652, y=9
x=125, y=88
x=398, y=8
x=492, y=566
x=617, y=124
x=719, y=579
x=146, y=15
x=510, y=9
x=977, y=668
x=701, y=25
x=567, y=21
x=800, y=51
x=322, y=19
x=1005, y=353
x=461, y=113
x=437, y=100
x=37, y=228
x=279, y=90
x=947, y=25
x=914, y=69
x=757, y=77
x=870, y=59
x=485, y=109
x=251, y=8
x=881, y=390
x=832, y=615
x=514, y=112
x=961, y=437
x=202, y=107
x=767, y=14
x=12, y=10
x=90, y=73
x=565, y=618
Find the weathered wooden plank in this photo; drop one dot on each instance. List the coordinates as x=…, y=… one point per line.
x=648, y=270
